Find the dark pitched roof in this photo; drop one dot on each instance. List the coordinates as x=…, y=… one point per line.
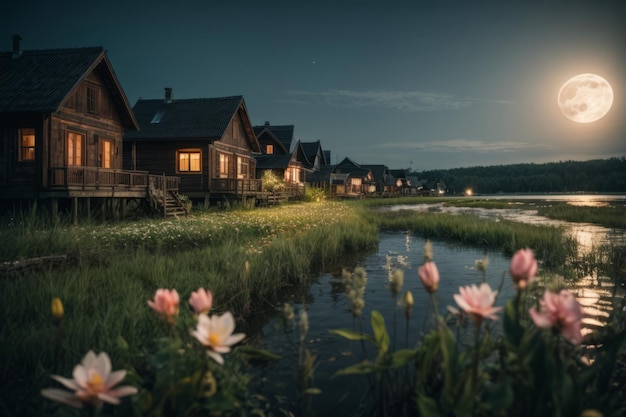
x=284, y=133
x=311, y=150
x=378, y=171
x=185, y=118
x=272, y=161
x=348, y=166
x=40, y=80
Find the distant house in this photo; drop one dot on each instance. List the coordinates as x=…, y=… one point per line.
x=207, y=142
x=350, y=179
x=279, y=154
x=433, y=187
x=384, y=183
x=313, y=155
x=63, y=114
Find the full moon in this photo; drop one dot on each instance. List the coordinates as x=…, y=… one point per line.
x=585, y=98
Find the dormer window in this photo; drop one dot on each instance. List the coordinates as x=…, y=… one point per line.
x=269, y=149
x=93, y=98
x=157, y=116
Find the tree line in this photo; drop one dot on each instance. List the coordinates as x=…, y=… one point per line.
x=600, y=175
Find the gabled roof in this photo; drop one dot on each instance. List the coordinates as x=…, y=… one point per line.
x=311, y=150
x=348, y=166
x=273, y=161
x=39, y=81
x=266, y=137
x=196, y=118
x=378, y=172
x=284, y=133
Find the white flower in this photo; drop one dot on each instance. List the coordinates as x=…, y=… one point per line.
x=216, y=333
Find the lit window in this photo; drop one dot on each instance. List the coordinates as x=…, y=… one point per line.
x=27, y=144
x=75, y=149
x=269, y=149
x=242, y=167
x=106, y=153
x=92, y=99
x=224, y=165
x=189, y=161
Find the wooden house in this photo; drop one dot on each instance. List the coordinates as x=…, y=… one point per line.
x=313, y=156
x=351, y=179
x=63, y=114
x=280, y=155
x=206, y=142
x=382, y=180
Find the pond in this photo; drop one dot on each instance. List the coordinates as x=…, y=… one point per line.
x=328, y=308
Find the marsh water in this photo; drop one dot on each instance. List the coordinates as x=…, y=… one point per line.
x=327, y=304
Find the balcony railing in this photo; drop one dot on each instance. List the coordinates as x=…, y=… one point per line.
x=236, y=186
x=89, y=178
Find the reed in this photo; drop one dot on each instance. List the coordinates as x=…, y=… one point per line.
x=608, y=216
x=551, y=245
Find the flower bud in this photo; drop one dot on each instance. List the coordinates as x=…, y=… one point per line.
x=523, y=267
x=397, y=280
x=57, y=308
x=429, y=275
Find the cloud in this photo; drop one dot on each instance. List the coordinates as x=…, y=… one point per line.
x=463, y=145
x=408, y=101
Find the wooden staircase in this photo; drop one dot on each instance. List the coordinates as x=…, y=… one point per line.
x=166, y=202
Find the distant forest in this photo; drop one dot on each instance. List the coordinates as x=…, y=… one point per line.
x=601, y=175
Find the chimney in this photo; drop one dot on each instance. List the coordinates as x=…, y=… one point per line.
x=267, y=123
x=168, y=94
x=17, y=51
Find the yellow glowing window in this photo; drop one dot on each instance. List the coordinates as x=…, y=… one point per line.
x=75, y=149
x=224, y=167
x=269, y=149
x=27, y=144
x=189, y=161
x=106, y=153
x=242, y=168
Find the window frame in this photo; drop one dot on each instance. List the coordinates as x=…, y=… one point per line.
x=102, y=156
x=269, y=149
x=92, y=99
x=188, y=152
x=74, y=148
x=243, y=162
x=26, y=153
x=224, y=162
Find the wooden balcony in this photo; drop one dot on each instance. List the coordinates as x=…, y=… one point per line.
x=236, y=187
x=99, y=182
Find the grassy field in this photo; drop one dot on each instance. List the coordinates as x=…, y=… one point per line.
x=248, y=258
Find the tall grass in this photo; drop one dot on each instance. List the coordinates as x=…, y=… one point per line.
x=608, y=216
x=550, y=244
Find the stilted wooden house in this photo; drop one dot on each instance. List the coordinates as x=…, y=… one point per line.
x=351, y=179
x=63, y=114
x=382, y=180
x=206, y=142
x=280, y=155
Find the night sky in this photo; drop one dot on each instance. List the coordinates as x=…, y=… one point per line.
x=410, y=84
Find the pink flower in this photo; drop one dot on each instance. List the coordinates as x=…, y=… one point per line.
x=166, y=304
x=523, y=267
x=92, y=384
x=201, y=301
x=478, y=302
x=562, y=312
x=216, y=334
x=429, y=274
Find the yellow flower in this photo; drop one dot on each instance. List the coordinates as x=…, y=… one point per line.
x=57, y=308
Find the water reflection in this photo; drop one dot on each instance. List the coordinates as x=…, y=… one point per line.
x=587, y=235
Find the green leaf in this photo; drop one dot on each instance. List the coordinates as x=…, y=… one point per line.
x=256, y=353
x=361, y=368
x=381, y=337
x=313, y=391
x=352, y=335
x=428, y=406
x=402, y=357
x=513, y=330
